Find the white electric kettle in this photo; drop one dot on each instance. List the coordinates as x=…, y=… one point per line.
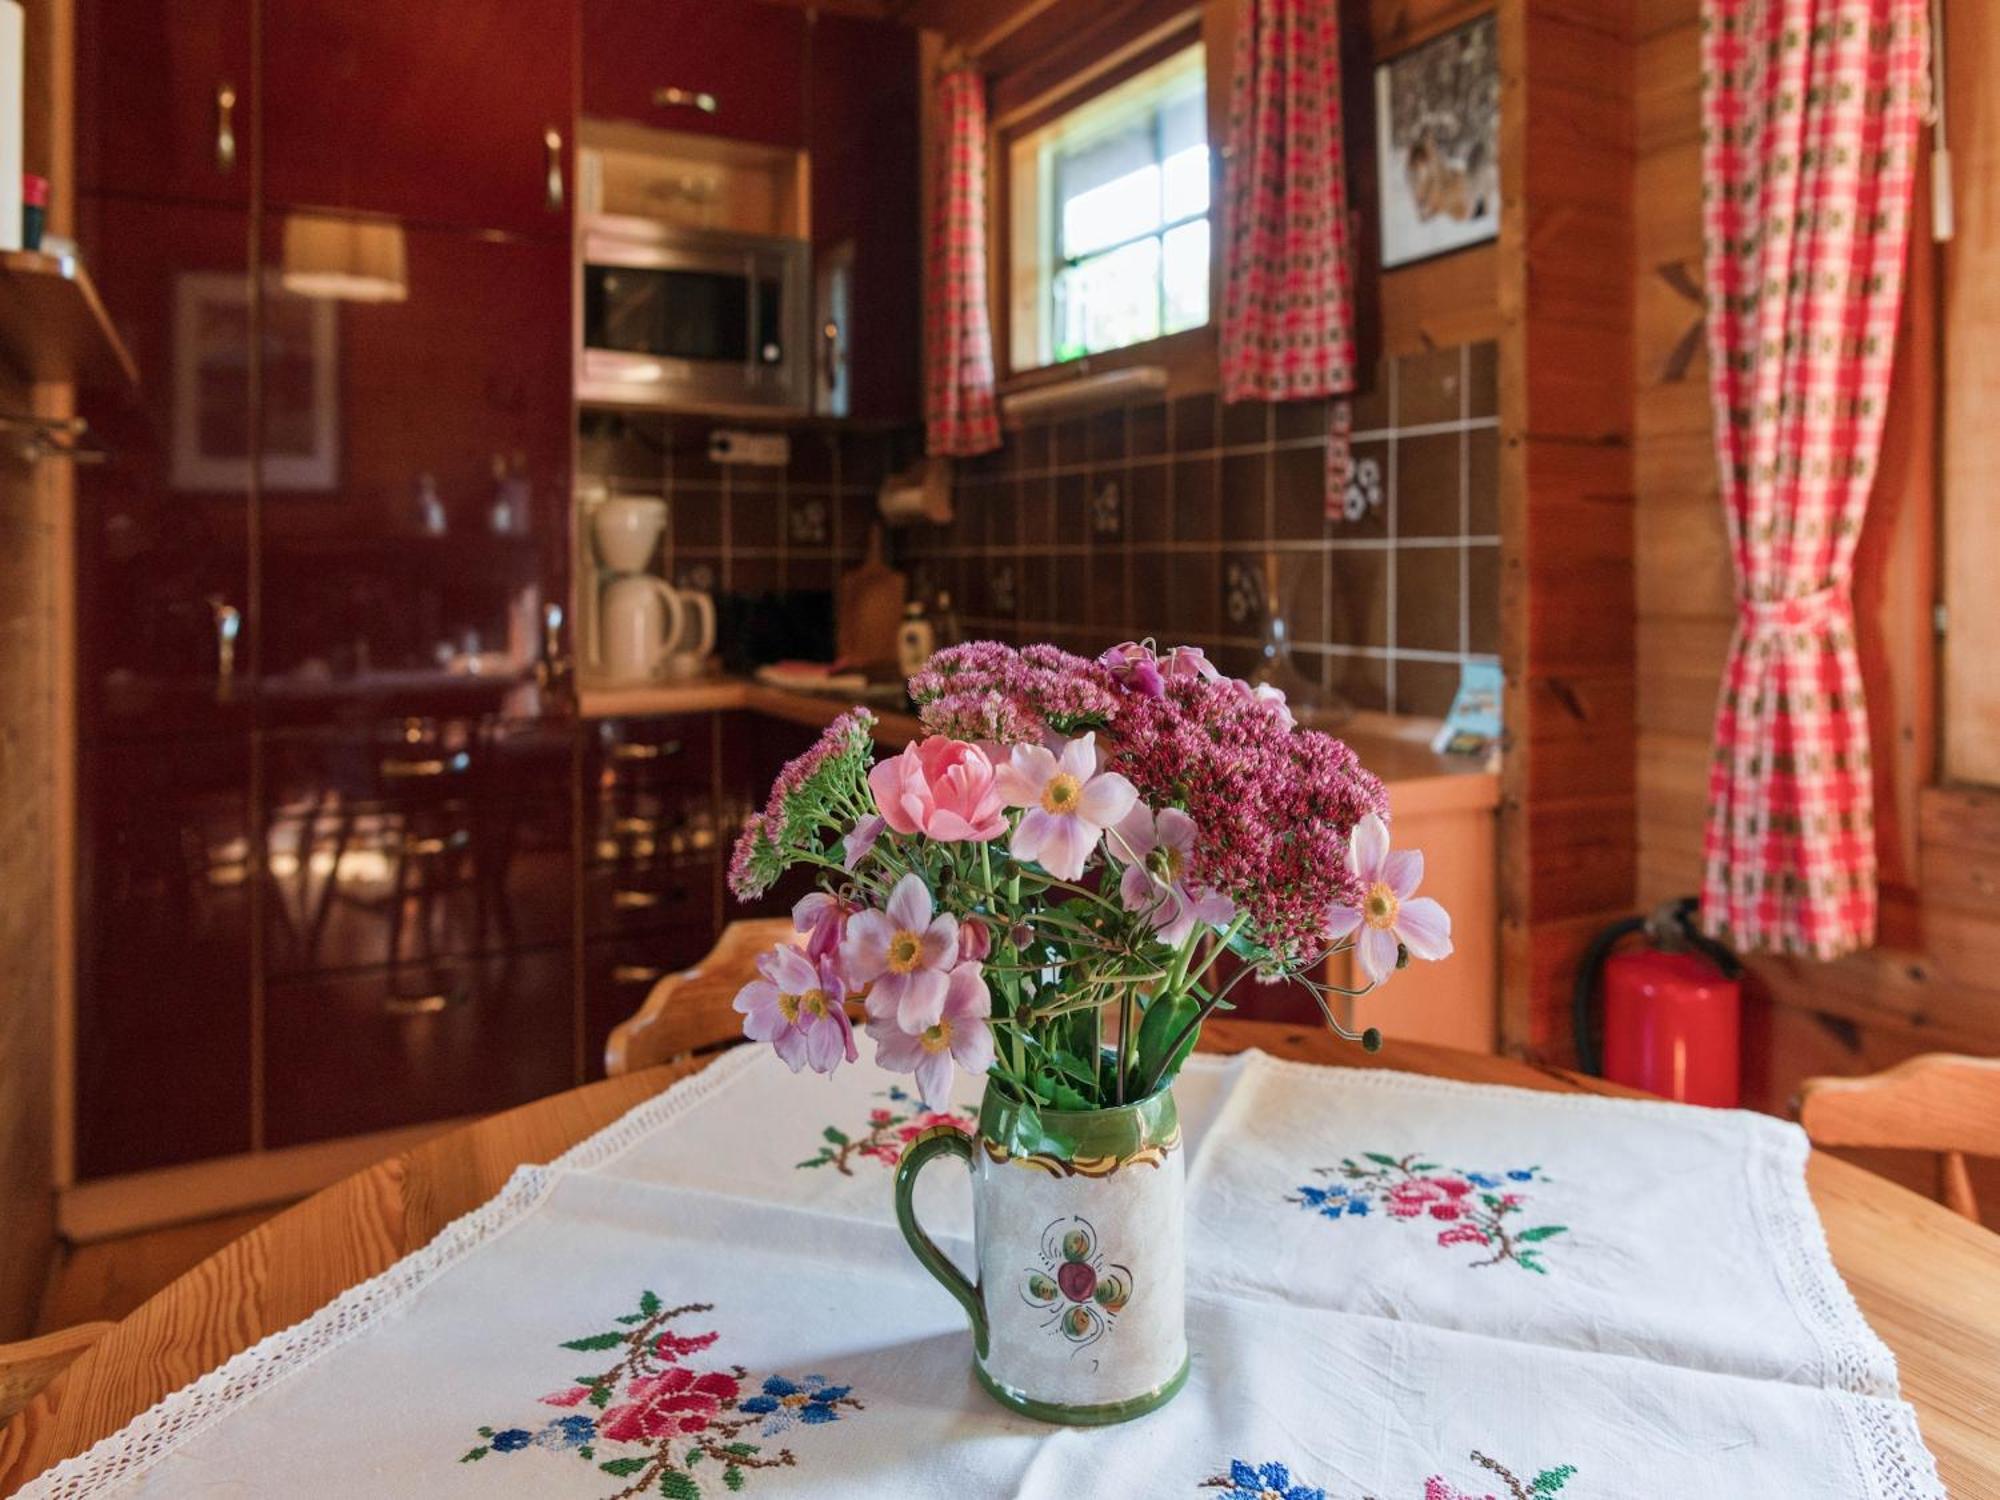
x=647, y=628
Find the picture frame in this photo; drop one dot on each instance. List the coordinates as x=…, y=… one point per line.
x=1437, y=115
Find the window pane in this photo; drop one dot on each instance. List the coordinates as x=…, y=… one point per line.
x=1186, y=184
x=1108, y=301
x=1185, y=276
x=1119, y=209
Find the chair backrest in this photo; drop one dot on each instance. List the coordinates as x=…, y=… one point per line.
x=1937, y=1102
x=31, y=1364
x=691, y=1011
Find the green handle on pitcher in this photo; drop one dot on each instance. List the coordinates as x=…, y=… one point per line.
x=939, y=1140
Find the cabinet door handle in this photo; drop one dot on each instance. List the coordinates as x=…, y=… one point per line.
x=228, y=626
x=225, y=128
x=635, y=974
x=646, y=752
x=634, y=900
x=552, y=142
x=396, y=768
x=425, y=1005
x=676, y=98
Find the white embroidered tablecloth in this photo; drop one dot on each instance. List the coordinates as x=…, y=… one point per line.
x=1399, y=1290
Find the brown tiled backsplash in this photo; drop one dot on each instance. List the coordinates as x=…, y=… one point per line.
x=1181, y=519
x=743, y=527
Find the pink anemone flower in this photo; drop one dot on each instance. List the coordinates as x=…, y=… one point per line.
x=905, y=952
x=942, y=788
x=860, y=839
x=796, y=1005
x=823, y=919
x=1388, y=917
x=1070, y=803
x=1155, y=849
x=958, y=1035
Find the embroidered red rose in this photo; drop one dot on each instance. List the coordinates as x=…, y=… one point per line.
x=675, y=1401
x=673, y=1346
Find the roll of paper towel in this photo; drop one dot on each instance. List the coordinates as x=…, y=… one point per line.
x=13, y=84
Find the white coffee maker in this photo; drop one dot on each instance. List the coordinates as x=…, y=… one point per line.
x=646, y=628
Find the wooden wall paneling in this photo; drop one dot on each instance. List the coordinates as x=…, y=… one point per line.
x=1440, y=303
x=1971, y=292
x=1567, y=853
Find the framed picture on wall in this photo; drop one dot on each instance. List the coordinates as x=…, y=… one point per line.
x=1437, y=132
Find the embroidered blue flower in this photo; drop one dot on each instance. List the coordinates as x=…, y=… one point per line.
x=1272, y=1481
x=1482, y=1180
x=1523, y=1174
x=783, y=1403
x=565, y=1432
x=511, y=1440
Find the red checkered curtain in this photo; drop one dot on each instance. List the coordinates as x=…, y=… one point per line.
x=1810, y=109
x=959, y=415
x=1288, y=272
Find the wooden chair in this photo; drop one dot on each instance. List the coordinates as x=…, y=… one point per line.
x=691, y=1011
x=1937, y=1102
x=31, y=1364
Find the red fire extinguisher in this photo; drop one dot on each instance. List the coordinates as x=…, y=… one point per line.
x=1672, y=1009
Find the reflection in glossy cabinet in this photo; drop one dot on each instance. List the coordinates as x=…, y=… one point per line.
x=415, y=479
x=163, y=98
x=717, y=67
x=163, y=646
x=163, y=1012
x=450, y=112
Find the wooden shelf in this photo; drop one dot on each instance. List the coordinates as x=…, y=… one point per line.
x=53, y=325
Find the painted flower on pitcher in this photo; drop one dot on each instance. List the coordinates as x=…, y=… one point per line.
x=957, y=1035
x=1474, y=1208
x=1265, y=1481
x=905, y=952
x=798, y=1006
x=1075, y=1284
x=941, y=788
x=1391, y=916
x=1069, y=804
x=1155, y=849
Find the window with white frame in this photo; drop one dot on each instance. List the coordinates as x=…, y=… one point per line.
x=1109, y=232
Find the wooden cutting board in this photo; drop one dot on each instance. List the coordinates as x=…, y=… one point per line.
x=869, y=609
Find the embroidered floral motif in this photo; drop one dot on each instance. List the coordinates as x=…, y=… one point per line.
x=889, y=1130
x=1476, y=1208
x=1082, y=1292
x=1548, y=1482
x=1270, y=1481
x=663, y=1424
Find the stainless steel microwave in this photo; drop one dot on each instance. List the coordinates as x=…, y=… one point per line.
x=692, y=319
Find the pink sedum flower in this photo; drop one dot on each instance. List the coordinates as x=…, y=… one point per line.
x=957, y=1036
x=1155, y=850
x=1070, y=803
x=1387, y=915
x=941, y=788
x=905, y=952
x=796, y=1005
x=823, y=920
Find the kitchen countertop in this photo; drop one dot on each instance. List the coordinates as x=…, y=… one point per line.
x=1396, y=749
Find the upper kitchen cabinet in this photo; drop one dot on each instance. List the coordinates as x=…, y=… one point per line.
x=414, y=484
x=866, y=204
x=718, y=67
x=454, y=112
x=163, y=98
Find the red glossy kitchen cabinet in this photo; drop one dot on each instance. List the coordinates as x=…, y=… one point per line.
x=163, y=644
x=163, y=97
x=450, y=112
x=414, y=486
x=864, y=138
x=718, y=67
x=163, y=982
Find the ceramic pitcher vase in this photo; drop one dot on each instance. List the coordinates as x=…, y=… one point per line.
x=1079, y=1311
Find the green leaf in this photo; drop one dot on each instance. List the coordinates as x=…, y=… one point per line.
x=630, y=1318
x=649, y=1303
x=1533, y=1261
x=601, y=1397
x=486, y=1432
x=623, y=1467
x=1380, y=1160
x=1164, y=1020
x=586, y=1452
x=818, y=1161
x=476, y=1453
x=678, y=1486
x=741, y=1450
x=1542, y=1232
x=1549, y=1481
x=733, y=1477
x=1425, y=1166
x=837, y=1136
x=596, y=1342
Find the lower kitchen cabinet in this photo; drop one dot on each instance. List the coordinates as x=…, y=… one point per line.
x=618, y=975
x=372, y=1049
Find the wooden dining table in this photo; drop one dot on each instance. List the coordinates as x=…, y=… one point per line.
x=1928, y=1281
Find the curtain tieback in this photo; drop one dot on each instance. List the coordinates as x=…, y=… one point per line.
x=1766, y=616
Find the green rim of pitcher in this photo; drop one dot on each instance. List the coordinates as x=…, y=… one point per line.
x=1113, y=1135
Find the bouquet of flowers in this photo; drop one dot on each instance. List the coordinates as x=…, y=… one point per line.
x=1041, y=887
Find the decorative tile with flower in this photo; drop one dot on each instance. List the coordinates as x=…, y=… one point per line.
x=1476, y=1208
x=656, y=1420
x=1066, y=854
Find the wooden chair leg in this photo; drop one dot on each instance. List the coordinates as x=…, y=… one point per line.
x=1955, y=1185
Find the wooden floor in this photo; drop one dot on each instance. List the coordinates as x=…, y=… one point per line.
x=110, y=1278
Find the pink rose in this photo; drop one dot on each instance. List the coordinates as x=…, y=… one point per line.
x=941, y=788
